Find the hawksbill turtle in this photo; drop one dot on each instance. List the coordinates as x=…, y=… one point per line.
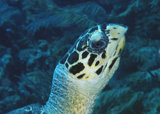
x=83, y=72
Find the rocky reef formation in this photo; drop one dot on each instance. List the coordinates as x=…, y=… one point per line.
x=35, y=34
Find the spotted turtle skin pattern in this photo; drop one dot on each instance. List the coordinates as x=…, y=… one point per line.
x=83, y=72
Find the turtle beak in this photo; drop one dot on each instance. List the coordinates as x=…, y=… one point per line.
x=116, y=36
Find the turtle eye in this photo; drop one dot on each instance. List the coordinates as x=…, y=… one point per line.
x=98, y=45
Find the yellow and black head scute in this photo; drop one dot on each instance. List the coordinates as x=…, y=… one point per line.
x=89, y=56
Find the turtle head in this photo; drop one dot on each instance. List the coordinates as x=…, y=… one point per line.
x=95, y=56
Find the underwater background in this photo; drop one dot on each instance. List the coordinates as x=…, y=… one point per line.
x=35, y=34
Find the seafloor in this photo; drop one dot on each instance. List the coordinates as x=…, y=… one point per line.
x=35, y=34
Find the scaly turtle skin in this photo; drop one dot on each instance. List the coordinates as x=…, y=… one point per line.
x=83, y=72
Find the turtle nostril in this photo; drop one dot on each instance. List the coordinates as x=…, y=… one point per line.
x=98, y=44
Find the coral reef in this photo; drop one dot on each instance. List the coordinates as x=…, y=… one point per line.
x=35, y=34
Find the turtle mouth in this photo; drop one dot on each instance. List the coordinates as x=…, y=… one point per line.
x=115, y=54
x=109, y=66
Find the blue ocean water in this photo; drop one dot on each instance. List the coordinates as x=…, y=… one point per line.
x=35, y=35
